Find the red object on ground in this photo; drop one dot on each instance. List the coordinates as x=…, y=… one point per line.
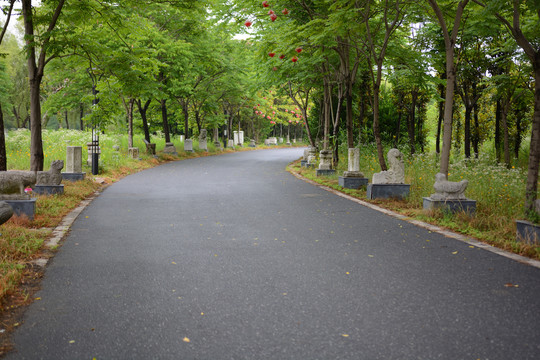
x=248, y=23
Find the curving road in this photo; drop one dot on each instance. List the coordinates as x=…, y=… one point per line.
x=231, y=257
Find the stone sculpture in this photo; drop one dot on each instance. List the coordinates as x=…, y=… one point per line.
x=448, y=190
x=396, y=173
x=51, y=177
x=13, y=182
x=353, y=166
x=6, y=212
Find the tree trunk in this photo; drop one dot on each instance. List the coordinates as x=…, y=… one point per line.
x=142, y=111
x=130, y=122
x=467, y=135
x=476, y=131
x=36, y=141
x=376, y=128
x=66, y=118
x=411, y=123
x=441, y=117
x=185, y=110
x=3, y=155
x=165, y=121
x=534, y=153
x=505, y=106
x=81, y=116
x=498, y=131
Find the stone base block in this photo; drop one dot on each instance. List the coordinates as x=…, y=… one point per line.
x=527, y=232
x=453, y=206
x=49, y=189
x=73, y=176
x=387, y=191
x=303, y=163
x=23, y=207
x=325, y=172
x=352, y=182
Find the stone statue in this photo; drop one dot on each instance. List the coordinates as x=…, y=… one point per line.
x=396, y=173
x=6, y=212
x=448, y=190
x=13, y=182
x=51, y=177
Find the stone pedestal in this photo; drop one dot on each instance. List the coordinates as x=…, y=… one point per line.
x=150, y=148
x=280, y=140
x=236, y=138
x=352, y=182
x=73, y=176
x=453, y=206
x=188, y=145
x=230, y=144
x=6, y=212
x=23, y=207
x=527, y=232
x=217, y=144
x=133, y=153
x=49, y=189
x=273, y=141
x=171, y=149
x=303, y=163
x=252, y=143
x=325, y=172
x=388, y=191
x=203, y=145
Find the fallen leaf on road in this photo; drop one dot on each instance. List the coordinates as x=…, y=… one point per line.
x=72, y=341
x=455, y=252
x=186, y=340
x=345, y=335
x=511, y=285
x=173, y=263
x=371, y=256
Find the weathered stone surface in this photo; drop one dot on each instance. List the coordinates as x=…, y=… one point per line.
x=388, y=191
x=527, y=232
x=353, y=164
x=74, y=159
x=252, y=143
x=49, y=189
x=451, y=205
x=312, y=156
x=13, y=183
x=133, y=152
x=325, y=160
x=73, y=176
x=325, y=172
x=51, y=177
x=352, y=182
x=188, y=146
x=6, y=212
x=171, y=149
x=203, y=142
x=23, y=207
x=230, y=143
x=448, y=190
x=396, y=173
x=306, y=154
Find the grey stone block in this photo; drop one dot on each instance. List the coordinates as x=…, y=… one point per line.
x=325, y=172
x=352, y=182
x=73, y=176
x=23, y=207
x=453, y=206
x=387, y=191
x=303, y=163
x=527, y=232
x=49, y=189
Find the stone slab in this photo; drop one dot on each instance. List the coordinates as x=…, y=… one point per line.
x=527, y=232
x=325, y=172
x=49, y=189
x=388, y=191
x=23, y=207
x=453, y=206
x=73, y=176
x=352, y=182
x=303, y=163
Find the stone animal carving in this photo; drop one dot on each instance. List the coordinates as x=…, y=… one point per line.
x=13, y=183
x=396, y=173
x=51, y=177
x=448, y=190
x=6, y=212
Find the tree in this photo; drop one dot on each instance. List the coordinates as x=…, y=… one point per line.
x=450, y=36
x=36, y=68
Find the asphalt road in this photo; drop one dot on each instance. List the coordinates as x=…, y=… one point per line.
x=231, y=257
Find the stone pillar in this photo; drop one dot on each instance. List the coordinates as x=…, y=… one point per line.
x=230, y=144
x=353, y=178
x=133, y=153
x=74, y=159
x=312, y=156
x=325, y=157
x=236, y=138
x=188, y=145
x=240, y=138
